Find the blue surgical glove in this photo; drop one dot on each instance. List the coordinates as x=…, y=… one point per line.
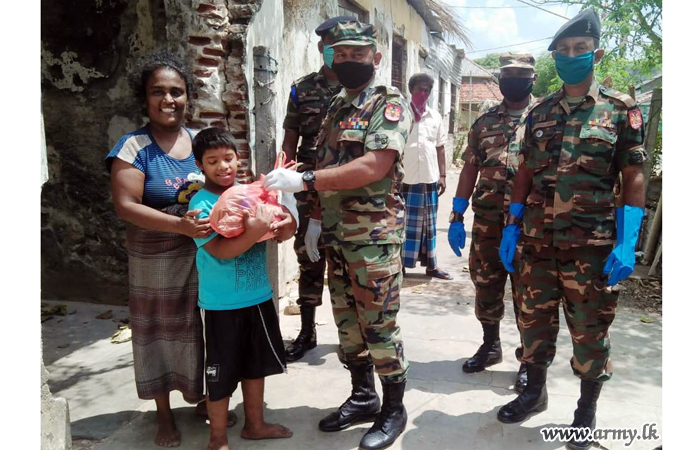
x=509, y=240
x=621, y=261
x=456, y=235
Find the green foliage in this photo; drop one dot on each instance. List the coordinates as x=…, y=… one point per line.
x=547, y=79
x=458, y=146
x=631, y=31
x=490, y=61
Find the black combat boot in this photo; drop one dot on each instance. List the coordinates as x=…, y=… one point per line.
x=307, y=336
x=361, y=406
x=533, y=399
x=390, y=422
x=489, y=353
x=521, y=379
x=584, y=416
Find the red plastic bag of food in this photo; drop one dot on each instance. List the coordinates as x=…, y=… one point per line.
x=226, y=216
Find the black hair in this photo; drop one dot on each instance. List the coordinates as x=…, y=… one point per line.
x=420, y=78
x=146, y=66
x=210, y=138
x=596, y=44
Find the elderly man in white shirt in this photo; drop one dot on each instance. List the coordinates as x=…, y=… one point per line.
x=424, y=180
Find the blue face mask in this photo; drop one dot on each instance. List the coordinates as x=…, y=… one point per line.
x=328, y=55
x=574, y=70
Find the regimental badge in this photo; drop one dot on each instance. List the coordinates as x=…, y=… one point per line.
x=635, y=118
x=381, y=141
x=539, y=133
x=392, y=112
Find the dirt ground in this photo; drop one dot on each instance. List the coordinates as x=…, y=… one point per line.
x=642, y=294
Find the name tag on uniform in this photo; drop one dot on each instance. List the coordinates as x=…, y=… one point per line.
x=551, y=123
x=353, y=124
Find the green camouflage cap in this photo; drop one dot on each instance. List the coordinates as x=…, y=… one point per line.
x=353, y=33
x=522, y=60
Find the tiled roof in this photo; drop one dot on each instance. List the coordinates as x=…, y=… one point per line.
x=481, y=90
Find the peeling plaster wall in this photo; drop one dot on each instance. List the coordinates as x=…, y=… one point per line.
x=86, y=53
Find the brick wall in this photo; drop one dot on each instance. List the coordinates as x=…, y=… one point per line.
x=216, y=33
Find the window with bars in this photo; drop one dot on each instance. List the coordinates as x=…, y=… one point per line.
x=350, y=8
x=398, y=63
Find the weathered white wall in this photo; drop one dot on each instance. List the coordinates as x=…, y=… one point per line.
x=265, y=31
x=294, y=46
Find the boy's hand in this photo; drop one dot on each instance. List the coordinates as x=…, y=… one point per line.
x=284, y=229
x=261, y=221
x=191, y=226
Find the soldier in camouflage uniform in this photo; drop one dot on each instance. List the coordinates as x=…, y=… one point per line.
x=306, y=108
x=492, y=152
x=576, y=245
x=358, y=176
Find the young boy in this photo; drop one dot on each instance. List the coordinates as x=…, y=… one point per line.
x=241, y=330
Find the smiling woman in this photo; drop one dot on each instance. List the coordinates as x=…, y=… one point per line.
x=152, y=174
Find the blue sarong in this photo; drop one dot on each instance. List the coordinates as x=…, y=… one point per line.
x=421, y=224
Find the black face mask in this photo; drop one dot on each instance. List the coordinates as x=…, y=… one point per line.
x=353, y=74
x=515, y=89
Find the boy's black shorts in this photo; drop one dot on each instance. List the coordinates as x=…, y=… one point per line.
x=241, y=344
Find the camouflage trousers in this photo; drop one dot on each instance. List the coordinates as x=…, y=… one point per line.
x=489, y=276
x=310, y=273
x=365, y=281
x=487, y=272
x=574, y=277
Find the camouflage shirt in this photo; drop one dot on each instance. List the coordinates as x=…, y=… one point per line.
x=306, y=108
x=493, y=146
x=576, y=156
x=378, y=118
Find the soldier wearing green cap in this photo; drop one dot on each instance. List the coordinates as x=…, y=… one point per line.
x=358, y=178
x=576, y=245
x=308, y=102
x=491, y=155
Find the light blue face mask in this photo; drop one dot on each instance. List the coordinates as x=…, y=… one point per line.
x=328, y=55
x=574, y=70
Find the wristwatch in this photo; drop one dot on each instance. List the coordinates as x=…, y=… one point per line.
x=456, y=217
x=309, y=178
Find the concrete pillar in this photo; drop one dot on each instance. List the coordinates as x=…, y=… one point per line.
x=264, y=73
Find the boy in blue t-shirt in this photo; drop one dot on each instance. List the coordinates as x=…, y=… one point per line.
x=241, y=329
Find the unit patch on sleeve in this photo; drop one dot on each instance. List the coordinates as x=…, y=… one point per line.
x=635, y=118
x=392, y=112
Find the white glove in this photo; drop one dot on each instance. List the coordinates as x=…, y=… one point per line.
x=289, y=202
x=285, y=180
x=313, y=233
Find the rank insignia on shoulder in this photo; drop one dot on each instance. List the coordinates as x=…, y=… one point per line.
x=635, y=118
x=392, y=112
